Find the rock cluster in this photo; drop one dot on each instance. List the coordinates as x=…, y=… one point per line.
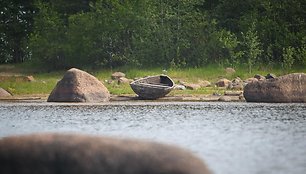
x=17, y=78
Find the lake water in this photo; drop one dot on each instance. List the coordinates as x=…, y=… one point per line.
x=240, y=138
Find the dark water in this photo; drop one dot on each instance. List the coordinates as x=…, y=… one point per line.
x=235, y=138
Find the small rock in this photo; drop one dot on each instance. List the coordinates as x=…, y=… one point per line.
x=216, y=94
x=117, y=75
x=251, y=80
x=179, y=87
x=123, y=80
x=238, y=86
x=29, y=78
x=204, y=83
x=223, y=83
x=233, y=93
x=192, y=86
x=241, y=97
x=270, y=76
x=225, y=99
x=230, y=70
x=237, y=80
x=181, y=82
x=260, y=77
x=109, y=81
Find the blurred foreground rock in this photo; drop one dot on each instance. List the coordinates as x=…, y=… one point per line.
x=80, y=154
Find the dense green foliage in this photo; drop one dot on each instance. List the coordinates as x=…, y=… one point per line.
x=58, y=34
x=16, y=19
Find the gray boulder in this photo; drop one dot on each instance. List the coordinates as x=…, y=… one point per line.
x=288, y=88
x=79, y=86
x=82, y=154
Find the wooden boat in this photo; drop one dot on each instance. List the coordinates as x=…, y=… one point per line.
x=152, y=87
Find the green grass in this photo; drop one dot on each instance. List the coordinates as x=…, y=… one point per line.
x=45, y=82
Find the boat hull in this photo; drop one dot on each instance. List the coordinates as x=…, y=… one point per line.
x=152, y=87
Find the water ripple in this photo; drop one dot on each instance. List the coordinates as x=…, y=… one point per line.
x=230, y=137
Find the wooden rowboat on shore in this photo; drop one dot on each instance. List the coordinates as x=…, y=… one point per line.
x=152, y=87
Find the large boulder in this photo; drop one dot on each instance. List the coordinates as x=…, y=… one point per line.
x=288, y=88
x=83, y=154
x=79, y=86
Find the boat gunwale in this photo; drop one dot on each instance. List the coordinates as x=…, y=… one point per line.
x=152, y=85
x=138, y=83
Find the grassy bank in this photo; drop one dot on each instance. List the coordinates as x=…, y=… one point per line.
x=45, y=82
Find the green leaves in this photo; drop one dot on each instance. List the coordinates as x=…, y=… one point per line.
x=163, y=33
x=47, y=42
x=252, y=47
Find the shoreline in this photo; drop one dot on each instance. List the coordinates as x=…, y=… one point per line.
x=131, y=98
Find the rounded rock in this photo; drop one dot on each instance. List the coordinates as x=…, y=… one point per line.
x=79, y=86
x=83, y=154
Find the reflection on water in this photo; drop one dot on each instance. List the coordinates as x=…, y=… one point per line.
x=231, y=137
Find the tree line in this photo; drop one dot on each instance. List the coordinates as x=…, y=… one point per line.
x=59, y=34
